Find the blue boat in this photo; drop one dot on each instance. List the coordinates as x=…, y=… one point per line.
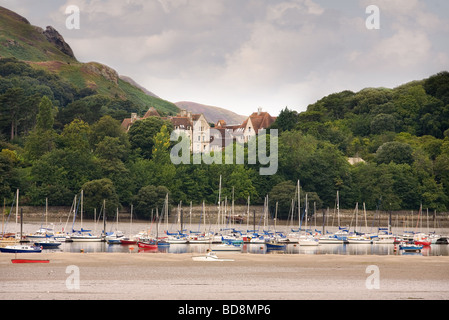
x=21, y=249
x=48, y=244
x=410, y=247
x=274, y=245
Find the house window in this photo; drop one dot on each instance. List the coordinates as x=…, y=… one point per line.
x=249, y=129
x=199, y=139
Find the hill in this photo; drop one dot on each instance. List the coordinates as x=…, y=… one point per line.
x=212, y=114
x=46, y=50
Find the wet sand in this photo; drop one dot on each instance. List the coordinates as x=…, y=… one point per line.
x=159, y=276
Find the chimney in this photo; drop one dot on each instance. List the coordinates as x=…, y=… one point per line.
x=133, y=117
x=259, y=110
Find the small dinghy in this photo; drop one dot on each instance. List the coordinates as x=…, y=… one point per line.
x=210, y=256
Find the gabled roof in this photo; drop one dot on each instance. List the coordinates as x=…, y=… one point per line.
x=152, y=112
x=259, y=120
x=181, y=122
x=126, y=123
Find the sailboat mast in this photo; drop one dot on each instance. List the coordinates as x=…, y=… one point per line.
x=306, y=213
x=247, y=214
x=82, y=209
x=219, y=203
x=104, y=217
x=338, y=209
x=275, y=218
x=366, y=222
x=131, y=220
x=46, y=214
x=17, y=206
x=299, y=206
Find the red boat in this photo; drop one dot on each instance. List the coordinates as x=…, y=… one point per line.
x=422, y=239
x=423, y=242
x=128, y=241
x=29, y=261
x=147, y=245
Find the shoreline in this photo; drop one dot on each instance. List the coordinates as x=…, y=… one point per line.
x=166, y=276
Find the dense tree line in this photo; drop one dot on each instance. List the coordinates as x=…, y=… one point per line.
x=57, y=140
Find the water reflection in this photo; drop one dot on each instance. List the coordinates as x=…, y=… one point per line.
x=340, y=249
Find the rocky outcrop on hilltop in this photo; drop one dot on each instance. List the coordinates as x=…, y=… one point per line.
x=55, y=37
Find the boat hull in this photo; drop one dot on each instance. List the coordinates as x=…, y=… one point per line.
x=48, y=245
x=128, y=241
x=226, y=247
x=85, y=239
x=21, y=250
x=144, y=245
x=29, y=261
x=275, y=246
x=411, y=248
x=423, y=243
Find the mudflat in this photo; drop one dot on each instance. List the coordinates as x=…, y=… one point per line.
x=162, y=276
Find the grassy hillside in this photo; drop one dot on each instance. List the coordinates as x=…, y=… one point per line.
x=21, y=40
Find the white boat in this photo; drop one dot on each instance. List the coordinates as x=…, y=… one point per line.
x=227, y=247
x=331, y=239
x=358, y=240
x=210, y=256
x=202, y=238
x=116, y=236
x=21, y=249
x=42, y=233
x=176, y=239
x=308, y=241
x=84, y=236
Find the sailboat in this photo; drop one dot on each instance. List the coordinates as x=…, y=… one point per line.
x=358, y=238
x=340, y=236
x=20, y=248
x=115, y=237
x=226, y=244
x=131, y=239
x=273, y=243
x=198, y=236
x=44, y=237
x=307, y=239
x=82, y=235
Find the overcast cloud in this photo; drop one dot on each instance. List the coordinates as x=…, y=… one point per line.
x=242, y=55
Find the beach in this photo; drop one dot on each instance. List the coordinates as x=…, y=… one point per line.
x=162, y=276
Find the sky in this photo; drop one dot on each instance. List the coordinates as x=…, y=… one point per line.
x=248, y=54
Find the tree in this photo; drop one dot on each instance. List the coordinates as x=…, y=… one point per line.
x=283, y=193
x=148, y=199
x=6, y=174
x=108, y=127
x=95, y=192
x=286, y=120
x=75, y=136
x=161, y=144
x=382, y=122
x=45, y=118
x=396, y=152
x=12, y=104
x=42, y=138
x=111, y=148
x=142, y=133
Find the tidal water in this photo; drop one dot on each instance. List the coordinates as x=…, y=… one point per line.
x=135, y=227
x=342, y=249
